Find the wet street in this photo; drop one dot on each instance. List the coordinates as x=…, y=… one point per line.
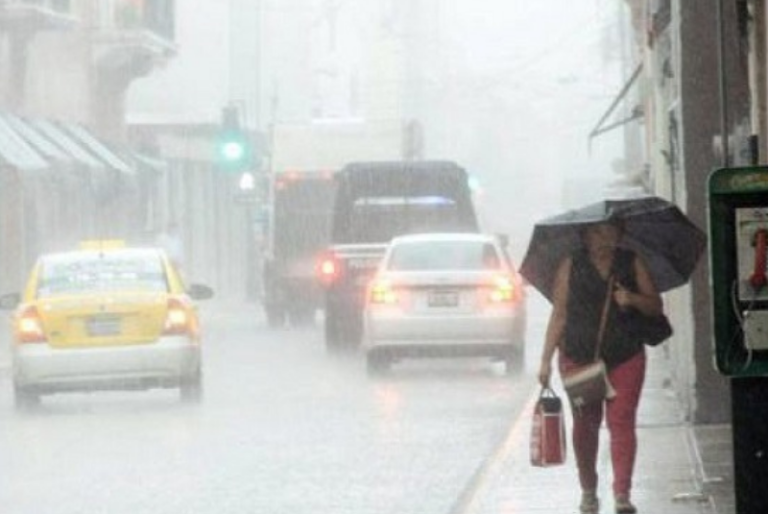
x=283, y=428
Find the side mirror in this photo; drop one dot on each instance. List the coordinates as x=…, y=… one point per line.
x=199, y=292
x=10, y=301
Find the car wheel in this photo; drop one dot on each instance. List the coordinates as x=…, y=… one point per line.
x=514, y=361
x=275, y=317
x=377, y=363
x=191, y=389
x=332, y=333
x=520, y=327
x=25, y=399
x=341, y=334
x=302, y=317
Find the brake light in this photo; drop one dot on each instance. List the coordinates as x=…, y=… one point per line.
x=177, y=319
x=382, y=292
x=503, y=289
x=29, y=326
x=329, y=269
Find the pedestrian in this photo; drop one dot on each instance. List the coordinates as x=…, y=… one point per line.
x=578, y=295
x=171, y=241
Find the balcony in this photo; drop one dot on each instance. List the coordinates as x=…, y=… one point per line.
x=33, y=15
x=132, y=36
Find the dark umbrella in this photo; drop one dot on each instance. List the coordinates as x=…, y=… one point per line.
x=653, y=227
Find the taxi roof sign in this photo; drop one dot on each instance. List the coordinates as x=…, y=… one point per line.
x=102, y=244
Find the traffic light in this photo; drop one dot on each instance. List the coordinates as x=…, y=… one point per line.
x=234, y=149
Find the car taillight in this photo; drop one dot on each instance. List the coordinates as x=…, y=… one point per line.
x=381, y=292
x=177, y=319
x=329, y=268
x=29, y=326
x=503, y=289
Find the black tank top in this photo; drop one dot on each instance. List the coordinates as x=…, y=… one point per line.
x=587, y=291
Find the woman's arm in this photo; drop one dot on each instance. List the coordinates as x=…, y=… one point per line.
x=556, y=325
x=647, y=299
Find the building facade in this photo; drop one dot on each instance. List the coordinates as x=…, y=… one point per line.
x=66, y=171
x=700, y=86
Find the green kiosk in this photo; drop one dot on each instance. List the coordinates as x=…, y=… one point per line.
x=738, y=249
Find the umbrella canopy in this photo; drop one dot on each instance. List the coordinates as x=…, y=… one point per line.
x=653, y=227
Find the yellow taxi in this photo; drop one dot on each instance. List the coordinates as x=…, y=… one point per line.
x=105, y=317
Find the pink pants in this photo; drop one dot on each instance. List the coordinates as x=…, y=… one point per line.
x=621, y=414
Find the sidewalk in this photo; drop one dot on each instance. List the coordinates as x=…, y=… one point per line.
x=680, y=469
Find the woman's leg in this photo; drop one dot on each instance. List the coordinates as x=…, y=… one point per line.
x=585, y=437
x=621, y=415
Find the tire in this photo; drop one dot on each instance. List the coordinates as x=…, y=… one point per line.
x=302, y=317
x=514, y=361
x=191, y=389
x=275, y=317
x=377, y=363
x=25, y=400
x=520, y=327
x=334, y=341
x=341, y=334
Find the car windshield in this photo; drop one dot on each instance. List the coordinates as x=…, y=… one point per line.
x=444, y=255
x=379, y=219
x=85, y=273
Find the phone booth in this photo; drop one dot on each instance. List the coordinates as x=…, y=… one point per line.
x=738, y=250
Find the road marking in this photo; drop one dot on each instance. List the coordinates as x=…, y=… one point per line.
x=482, y=479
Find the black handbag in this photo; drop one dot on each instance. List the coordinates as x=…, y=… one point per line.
x=651, y=330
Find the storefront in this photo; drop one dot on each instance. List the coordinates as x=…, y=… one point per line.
x=61, y=184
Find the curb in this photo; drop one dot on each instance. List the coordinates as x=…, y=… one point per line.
x=492, y=469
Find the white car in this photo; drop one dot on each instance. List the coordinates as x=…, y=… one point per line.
x=448, y=294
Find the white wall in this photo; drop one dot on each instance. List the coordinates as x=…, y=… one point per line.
x=195, y=84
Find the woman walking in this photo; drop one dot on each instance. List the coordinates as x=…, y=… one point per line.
x=578, y=295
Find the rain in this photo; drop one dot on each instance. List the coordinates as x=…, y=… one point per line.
x=201, y=153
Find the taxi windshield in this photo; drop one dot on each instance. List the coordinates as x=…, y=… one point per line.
x=83, y=273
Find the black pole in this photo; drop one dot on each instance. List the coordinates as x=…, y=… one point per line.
x=723, y=84
x=749, y=398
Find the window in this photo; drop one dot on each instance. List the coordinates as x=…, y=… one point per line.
x=88, y=273
x=444, y=255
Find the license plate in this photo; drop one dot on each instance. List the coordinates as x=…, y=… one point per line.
x=443, y=299
x=98, y=327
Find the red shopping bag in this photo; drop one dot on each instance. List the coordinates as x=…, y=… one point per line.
x=548, y=445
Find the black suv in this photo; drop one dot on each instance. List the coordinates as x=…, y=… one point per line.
x=376, y=201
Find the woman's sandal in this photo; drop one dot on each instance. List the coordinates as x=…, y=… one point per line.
x=589, y=503
x=624, y=506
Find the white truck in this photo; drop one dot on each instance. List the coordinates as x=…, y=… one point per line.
x=302, y=164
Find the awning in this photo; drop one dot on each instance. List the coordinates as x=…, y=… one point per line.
x=97, y=148
x=637, y=112
x=39, y=142
x=16, y=152
x=139, y=161
x=154, y=164
x=67, y=143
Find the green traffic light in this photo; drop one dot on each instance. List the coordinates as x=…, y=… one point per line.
x=233, y=151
